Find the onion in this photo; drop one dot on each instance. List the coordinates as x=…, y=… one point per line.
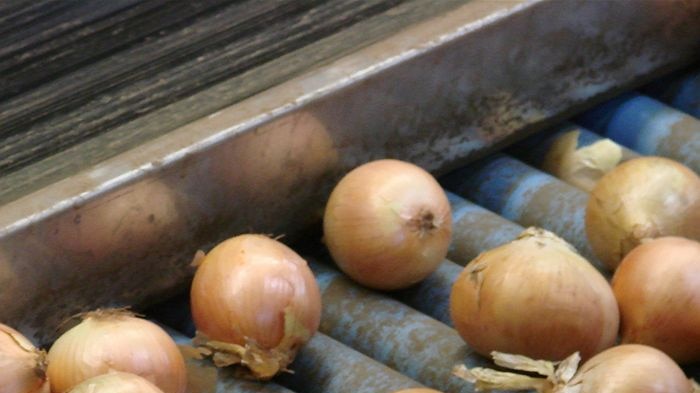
x=534, y=296
x=115, y=340
x=657, y=287
x=387, y=224
x=581, y=167
x=22, y=366
x=626, y=368
x=116, y=382
x=254, y=302
x=645, y=197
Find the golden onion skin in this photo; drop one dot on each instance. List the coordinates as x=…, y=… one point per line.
x=657, y=287
x=387, y=224
x=22, y=366
x=536, y=297
x=631, y=368
x=116, y=382
x=645, y=197
x=112, y=341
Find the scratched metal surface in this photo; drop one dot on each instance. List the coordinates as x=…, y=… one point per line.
x=440, y=94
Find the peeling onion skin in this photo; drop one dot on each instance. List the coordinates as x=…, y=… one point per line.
x=22, y=366
x=243, y=286
x=387, y=224
x=657, y=287
x=645, y=197
x=632, y=368
x=112, y=341
x=534, y=296
x=116, y=382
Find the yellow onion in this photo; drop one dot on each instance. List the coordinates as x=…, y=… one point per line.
x=645, y=197
x=387, y=224
x=116, y=382
x=22, y=366
x=255, y=302
x=115, y=340
x=534, y=296
x=657, y=287
x=629, y=368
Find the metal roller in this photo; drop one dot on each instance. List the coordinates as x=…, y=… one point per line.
x=393, y=333
x=476, y=229
x=527, y=196
x=647, y=126
x=324, y=365
x=681, y=91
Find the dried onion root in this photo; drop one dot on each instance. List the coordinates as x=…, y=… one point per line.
x=629, y=368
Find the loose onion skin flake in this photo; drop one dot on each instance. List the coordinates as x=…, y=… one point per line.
x=645, y=197
x=255, y=302
x=115, y=340
x=629, y=368
x=657, y=287
x=22, y=366
x=534, y=296
x=116, y=382
x=387, y=224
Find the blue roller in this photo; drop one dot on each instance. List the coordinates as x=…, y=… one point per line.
x=393, y=333
x=476, y=230
x=682, y=91
x=647, y=126
x=527, y=196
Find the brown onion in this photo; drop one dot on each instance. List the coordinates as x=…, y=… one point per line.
x=116, y=382
x=644, y=197
x=22, y=366
x=629, y=368
x=255, y=302
x=114, y=340
x=534, y=296
x=657, y=287
x=387, y=224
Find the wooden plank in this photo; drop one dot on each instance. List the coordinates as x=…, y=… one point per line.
x=129, y=91
x=151, y=125
x=89, y=43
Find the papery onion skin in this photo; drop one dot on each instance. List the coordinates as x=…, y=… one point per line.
x=387, y=224
x=534, y=296
x=657, y=287
x=631, y=368
x=245, y=288
x=645, y=197
x=22, y=366
x=110, y=340
x=116, y=382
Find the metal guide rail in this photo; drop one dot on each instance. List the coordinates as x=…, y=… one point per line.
x=453, y=94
